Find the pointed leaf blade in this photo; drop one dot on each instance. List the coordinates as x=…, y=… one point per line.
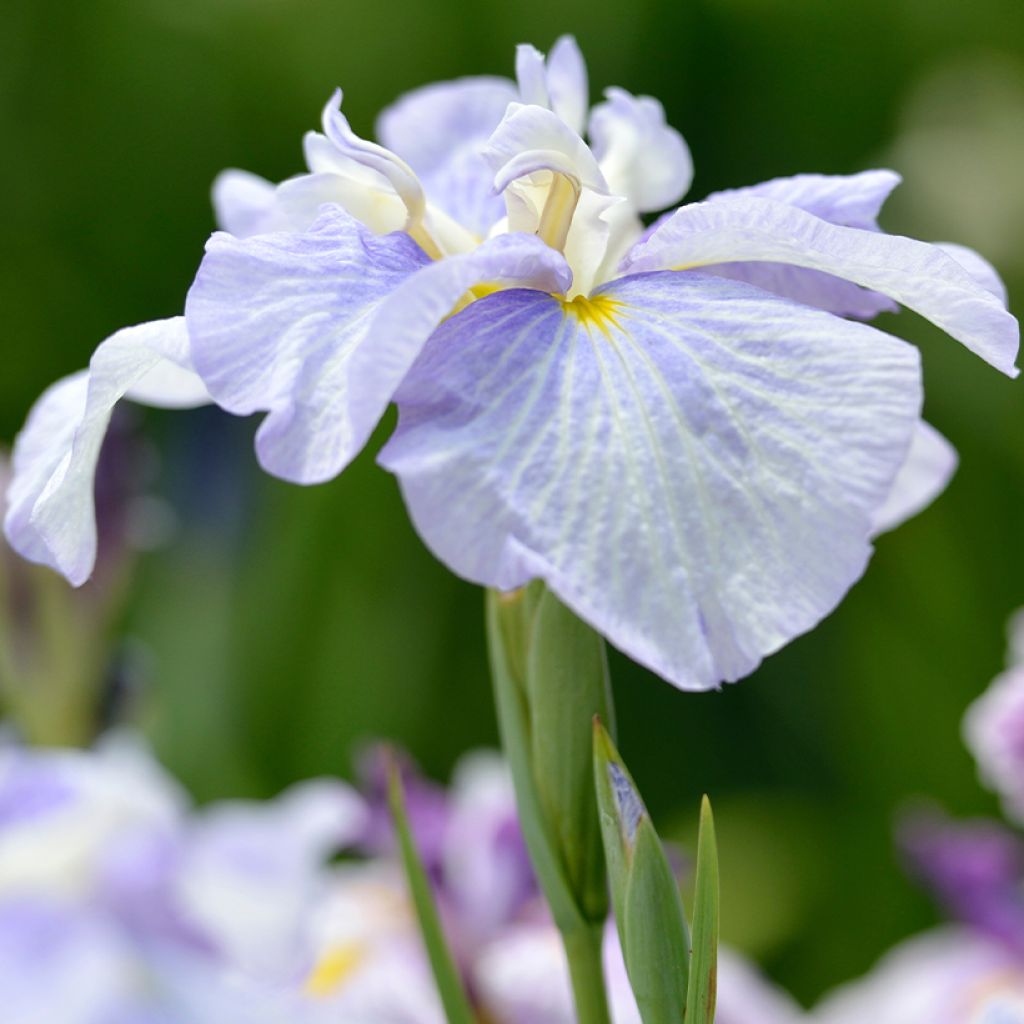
x=700, y=1007
x=446, y=974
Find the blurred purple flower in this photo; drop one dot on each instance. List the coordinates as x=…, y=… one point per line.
x=976, y=870
x=676, y=430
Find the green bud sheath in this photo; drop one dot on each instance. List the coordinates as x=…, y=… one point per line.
x=550, y=679
x=567, y=685
x=648, y=909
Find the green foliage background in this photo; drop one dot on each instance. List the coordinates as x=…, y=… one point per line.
x=282, y=626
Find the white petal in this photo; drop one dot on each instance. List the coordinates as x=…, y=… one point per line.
x=51, y=514
x=920, y=276
x=694, y=470
x=568, y=90
x=929, y=466
x=641, y=157
x=243, y=204
x=532, y=139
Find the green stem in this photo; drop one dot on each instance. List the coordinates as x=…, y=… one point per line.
x=583, y=950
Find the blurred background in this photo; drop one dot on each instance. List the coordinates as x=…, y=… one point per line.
x=272, y=629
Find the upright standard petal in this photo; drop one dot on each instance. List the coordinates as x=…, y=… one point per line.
x=51, y=515
x=929, y=466
x=318, y=329
x=691, y=464
x=920, y=276
x=558, y=83
x=440, y=131
x=641, y=157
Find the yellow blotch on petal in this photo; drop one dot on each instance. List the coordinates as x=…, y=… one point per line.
x=599, y=312
x=333, y=968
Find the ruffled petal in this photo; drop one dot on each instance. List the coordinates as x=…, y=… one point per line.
x=51, y=515
x=318, y=329
x=929, y=466
x=691, y=464
x=641, y=157
x=920, y=276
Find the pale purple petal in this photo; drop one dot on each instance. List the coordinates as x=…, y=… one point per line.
x=641, y=157
x=60, y=965
x=852, y=201
x=692, y=465
x=426, y=126
x=440, y=131
x=978, y=267
x=849, y=200
x=318, y=329
x=993, y=729
x=929, y=466
x=51, y=515
x=275, y=320
x=919, y=276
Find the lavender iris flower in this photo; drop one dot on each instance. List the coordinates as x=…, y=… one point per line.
x=680, y=430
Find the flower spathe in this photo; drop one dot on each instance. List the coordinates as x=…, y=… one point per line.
x=674, y=427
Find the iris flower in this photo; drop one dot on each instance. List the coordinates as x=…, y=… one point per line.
x=684, y=430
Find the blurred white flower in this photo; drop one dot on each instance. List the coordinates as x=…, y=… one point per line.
x=948, y=976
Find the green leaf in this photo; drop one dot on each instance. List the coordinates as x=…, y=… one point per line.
x=446, y=974
x=567, y=684
x=700, y=1006
x=648, y=909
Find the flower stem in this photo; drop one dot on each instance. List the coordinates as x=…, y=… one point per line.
x=583, y=950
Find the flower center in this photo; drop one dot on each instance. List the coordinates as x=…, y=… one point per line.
x=598, y=312
x=337, y=964
x=998, y=1000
